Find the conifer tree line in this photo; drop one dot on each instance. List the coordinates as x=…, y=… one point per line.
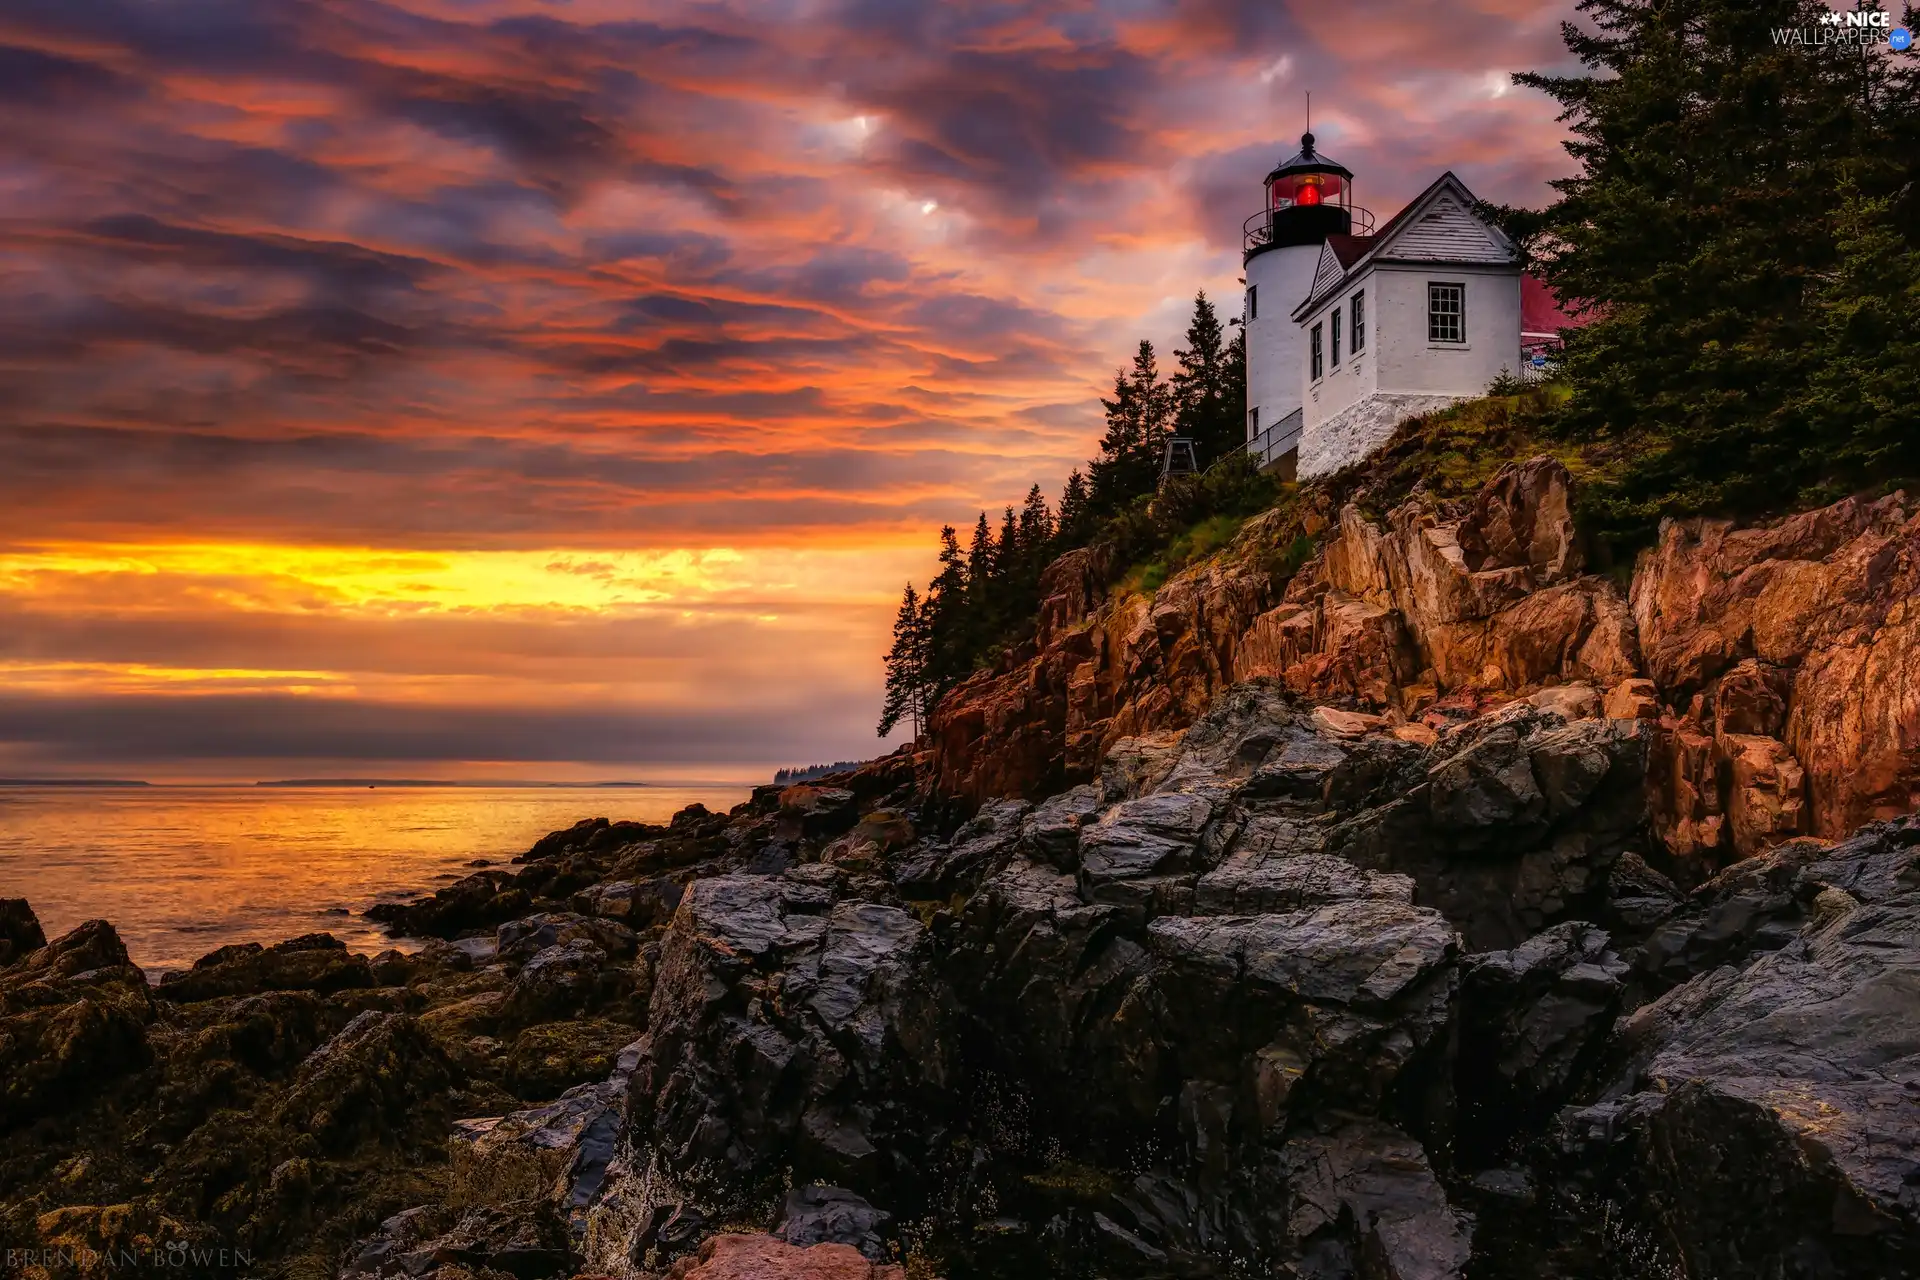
x=1745, y=221
x=986, y=593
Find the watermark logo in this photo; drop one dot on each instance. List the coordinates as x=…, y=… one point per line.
x=1847, y=29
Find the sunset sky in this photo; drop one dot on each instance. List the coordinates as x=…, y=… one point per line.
x=566, y=388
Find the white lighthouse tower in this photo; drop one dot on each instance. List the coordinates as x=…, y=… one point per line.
x=1309, y=198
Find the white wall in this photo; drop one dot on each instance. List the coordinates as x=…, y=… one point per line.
x=1353, y=409
x=1274, y=344
x=1411, y=365
x=1356, y=376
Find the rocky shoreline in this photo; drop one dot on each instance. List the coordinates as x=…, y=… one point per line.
x=1432, y=910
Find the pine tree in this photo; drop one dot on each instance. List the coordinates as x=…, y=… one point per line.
x=1860, y=411
x=1036, y=529
x=906, y=667
x=1206, y=409
x=948, y=655
x=1139, y=420
x=1076, y=513
x=1699, y=227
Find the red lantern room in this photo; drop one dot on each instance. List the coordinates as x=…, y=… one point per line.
x=1309, y=198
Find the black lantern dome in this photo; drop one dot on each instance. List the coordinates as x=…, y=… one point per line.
x=1309, y=197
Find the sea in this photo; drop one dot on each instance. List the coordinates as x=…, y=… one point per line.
x=182, y=870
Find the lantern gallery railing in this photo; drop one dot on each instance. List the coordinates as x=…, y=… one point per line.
x=1277, y=441
x=1258, y=229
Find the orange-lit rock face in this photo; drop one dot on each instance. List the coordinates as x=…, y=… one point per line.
x=766, y=1258
x=1806, y=631
x=1781, y=664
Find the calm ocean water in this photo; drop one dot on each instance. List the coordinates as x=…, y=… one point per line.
x=182, y=870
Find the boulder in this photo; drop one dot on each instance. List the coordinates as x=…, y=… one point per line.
x=316, y=962
x=73, y=1018
x=832, y=1042
x=832, y=1215
x=19, y=930
x=742, y=1257
x=1766, y=1121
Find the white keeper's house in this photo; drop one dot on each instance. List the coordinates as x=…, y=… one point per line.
x=1352, y=330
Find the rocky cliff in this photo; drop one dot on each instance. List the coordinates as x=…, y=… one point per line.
x=1780, y=664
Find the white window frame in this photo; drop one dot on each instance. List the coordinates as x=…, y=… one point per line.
x=1357, y=323
x=1333, y=332
x=1315, y=365
x=1435, y=314
x=1253, y=302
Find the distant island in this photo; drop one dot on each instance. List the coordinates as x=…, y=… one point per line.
x=73, y=782
x=813, y=771
x=436, y=782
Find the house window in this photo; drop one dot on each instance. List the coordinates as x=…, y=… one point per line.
x=1314, y=359
x=1253, y=422
x=1335, y=319
x=1253, y=302
x=1359, y=325
x=1446, y=313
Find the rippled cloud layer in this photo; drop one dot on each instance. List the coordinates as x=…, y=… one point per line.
x=765, y=291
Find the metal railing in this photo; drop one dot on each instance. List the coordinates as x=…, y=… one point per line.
x=1258, y=229
x=1277, y=441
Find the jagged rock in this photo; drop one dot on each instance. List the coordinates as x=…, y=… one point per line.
x=1517, y=823
x=19, y=930
x=738, y=1257
x=316, y=962
x=1532, y=1019
x=478, y=901
x=1767, y=1122
x=364, y=1083
x=558, y=982
x=525, y=1241
x=830, y=1038
x=937, y=870
x=639, y=904
x=1253, y=881
x=1051, y=833
x=832, y=1215
x=559, y=1152
x=546, y=1060
x=518, y=941
x=1365, y=1196
x=816, y=813
x=73, y=1016
x=1824, y=595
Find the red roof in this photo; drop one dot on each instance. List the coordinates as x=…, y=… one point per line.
x=1543, y=316
x=1347, y=249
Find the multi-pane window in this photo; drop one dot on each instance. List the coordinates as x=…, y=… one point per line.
x=1359, y=325
x=1313, y=358
x=1253, y=302
x=1446, y=313
x=1335, y=319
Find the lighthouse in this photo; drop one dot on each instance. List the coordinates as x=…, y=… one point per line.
x=1308, y=198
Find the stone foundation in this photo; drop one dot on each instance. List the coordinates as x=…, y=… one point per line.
x=1358, y=430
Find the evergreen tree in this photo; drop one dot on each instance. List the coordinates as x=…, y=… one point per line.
x=1007, y=554
x=906, y=667
x=982, y=613
x=1701, y=227
x=1036, y=530
x=1207, y=410
x=1139, y=420
x=1860, y=411
x=1076, y=513
x=948, y=655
